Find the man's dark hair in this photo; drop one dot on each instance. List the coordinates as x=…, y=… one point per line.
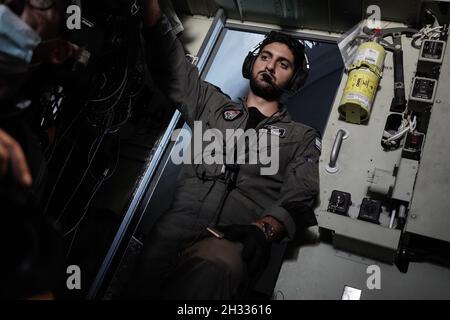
x=297, y=48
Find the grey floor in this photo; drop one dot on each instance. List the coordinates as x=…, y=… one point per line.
x=318, y=271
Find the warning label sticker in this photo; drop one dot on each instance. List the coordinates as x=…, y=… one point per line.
x=358, y=97
x=367, y=55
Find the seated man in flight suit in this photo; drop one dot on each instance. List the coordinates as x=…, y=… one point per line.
x=249, y=211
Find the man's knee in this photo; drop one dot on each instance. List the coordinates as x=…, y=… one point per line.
x=210, y=269
x=224, y=254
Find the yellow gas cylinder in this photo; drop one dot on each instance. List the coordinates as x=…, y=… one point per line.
x=363, y=79
x=371, y=55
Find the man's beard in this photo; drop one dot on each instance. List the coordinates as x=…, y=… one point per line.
x=267, y=92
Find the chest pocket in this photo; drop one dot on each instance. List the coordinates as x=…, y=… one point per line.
x=268, y=152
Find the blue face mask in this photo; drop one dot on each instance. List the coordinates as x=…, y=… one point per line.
x=17, y=39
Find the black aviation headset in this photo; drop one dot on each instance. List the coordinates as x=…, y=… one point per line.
x=302, y=68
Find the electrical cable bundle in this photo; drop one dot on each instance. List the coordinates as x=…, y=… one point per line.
x=429, y=31
x=391, y=140
x=115, y=89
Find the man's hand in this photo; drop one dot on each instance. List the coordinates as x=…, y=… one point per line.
x=152, y=13
x=12, y=156
x=274, y=230
x=256, y=249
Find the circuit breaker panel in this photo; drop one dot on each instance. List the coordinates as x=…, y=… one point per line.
x=386, y=176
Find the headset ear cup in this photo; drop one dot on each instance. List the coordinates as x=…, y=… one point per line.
x=303, y=76
x=299, y=78
x=247, y=66
x=293, y=84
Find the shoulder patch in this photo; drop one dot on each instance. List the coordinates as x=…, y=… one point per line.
x=230, y=115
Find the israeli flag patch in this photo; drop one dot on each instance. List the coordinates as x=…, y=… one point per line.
x=318, y=144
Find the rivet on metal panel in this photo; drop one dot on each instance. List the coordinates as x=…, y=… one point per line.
x=438, y=101
x=413, y=216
